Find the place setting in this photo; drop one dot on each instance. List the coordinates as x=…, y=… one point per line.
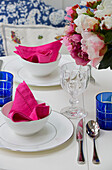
x=15, y=66
x=22, y=128
x=37, y=65
x=30, y=125
x=41, y=128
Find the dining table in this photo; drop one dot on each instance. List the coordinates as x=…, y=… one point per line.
x=63, y=156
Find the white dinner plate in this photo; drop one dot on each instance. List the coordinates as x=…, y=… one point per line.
x=57, y=131
x=20, y=74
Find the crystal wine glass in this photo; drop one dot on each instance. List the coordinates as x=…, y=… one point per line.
x=74, y=80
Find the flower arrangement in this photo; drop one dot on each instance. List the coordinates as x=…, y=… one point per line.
x=88, y=35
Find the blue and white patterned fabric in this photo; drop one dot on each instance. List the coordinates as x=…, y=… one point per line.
x=2, y=52
x=29, y=12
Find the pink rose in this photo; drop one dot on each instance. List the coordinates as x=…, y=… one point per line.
x=73, y=44
x=92, y=45
x=69, y=13
x=67, y=43
x=69, y=29
x=80, y=57
x=69, y=10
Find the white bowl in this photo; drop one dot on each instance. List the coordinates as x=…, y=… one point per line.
x=40, y=69
x=23, y=128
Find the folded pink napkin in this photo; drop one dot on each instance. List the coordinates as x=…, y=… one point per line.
x=25, y=106
x=40, y=54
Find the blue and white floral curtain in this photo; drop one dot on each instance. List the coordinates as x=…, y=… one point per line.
x=29, y=12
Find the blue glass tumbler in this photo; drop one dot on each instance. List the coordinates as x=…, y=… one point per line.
x=6, y=87
x=104, y=110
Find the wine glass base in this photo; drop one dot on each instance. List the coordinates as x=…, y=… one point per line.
x=73, y=113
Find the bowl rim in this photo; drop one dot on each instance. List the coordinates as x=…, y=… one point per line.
x=29, y=62
x=25, y=122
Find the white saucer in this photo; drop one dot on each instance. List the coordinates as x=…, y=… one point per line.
x=14, y=66
x=56, y=132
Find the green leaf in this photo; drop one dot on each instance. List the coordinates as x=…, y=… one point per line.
x=108, y=37
x=89, y=13
x=94, y=6
x=107, y=60
x=96, y=28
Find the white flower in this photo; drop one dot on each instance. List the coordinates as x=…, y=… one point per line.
x=105, y=8
x=107, y=22
x=81, y=11
x=100, y=7
x=84, y=22
x=103, y=12
x=107, y=3
x=85, y=2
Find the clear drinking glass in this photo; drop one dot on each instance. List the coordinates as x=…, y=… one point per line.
x=74, y=80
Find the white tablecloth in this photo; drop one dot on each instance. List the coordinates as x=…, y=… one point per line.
x=64, y=157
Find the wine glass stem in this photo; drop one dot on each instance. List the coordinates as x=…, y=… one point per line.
x=74, y=102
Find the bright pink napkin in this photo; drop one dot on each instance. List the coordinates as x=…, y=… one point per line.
x=40, y=54
x=25, y=106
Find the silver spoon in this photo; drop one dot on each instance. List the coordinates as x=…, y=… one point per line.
x=93, y=130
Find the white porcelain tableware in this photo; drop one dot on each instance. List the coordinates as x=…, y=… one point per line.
x=21, y=74
x=23, y=128
x=56, y=132
x=40, y=69
x=14, y=66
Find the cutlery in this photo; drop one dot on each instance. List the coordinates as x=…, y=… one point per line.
x=93, y=130
x=1, y=62
x=79, y=138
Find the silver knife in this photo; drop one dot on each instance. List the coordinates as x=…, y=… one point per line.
x=79, y=137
